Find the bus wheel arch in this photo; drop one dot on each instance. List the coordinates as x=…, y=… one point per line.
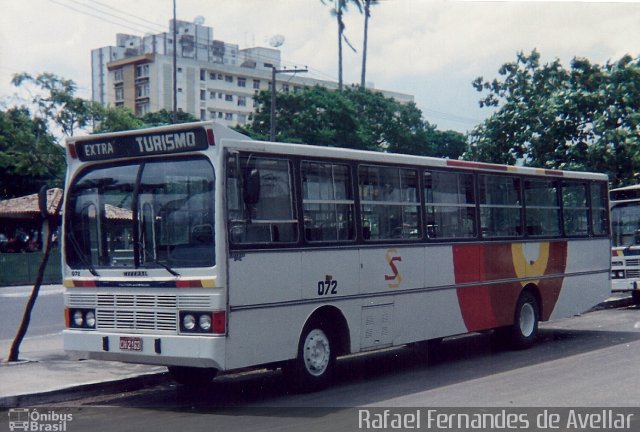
x=323, y=338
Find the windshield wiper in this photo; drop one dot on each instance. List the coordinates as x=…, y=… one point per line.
x=81, y=255
x=156, y=261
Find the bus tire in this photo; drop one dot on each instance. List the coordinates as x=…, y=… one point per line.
x=314, y=366
x=524, y=330
x=192, y=376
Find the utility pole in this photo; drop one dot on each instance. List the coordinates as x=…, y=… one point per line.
x=275, y=71
x=174, y=114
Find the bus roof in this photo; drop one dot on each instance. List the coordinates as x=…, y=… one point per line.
x=227, y=137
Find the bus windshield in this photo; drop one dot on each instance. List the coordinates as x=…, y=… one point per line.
x=157, y=213
x=625, y=224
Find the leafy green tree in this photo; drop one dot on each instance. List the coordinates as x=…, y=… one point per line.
x=29, y=154
x=57, y=104
x=355, y=118
x=583, y=118
x=164, y=117
x=117, y=119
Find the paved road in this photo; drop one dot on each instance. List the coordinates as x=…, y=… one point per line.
x=587, y=361
x=47, y=315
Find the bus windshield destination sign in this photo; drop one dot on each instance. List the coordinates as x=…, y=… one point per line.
x=142, y=145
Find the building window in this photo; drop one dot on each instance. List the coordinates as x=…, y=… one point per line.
x=242, y=82
x=203, y=75
x=203, y=114
x=242, y=118
x=142, y=90
x=212, y=95
x=212, y=76
x=220, y=76
x=242, y=101
x=228, y=98
x=119, y=93
x=212, y=115
x=142, y=108
x=219, y=95
x=118, y=75
x=220, y=115
x=297, y=89
x=285, y=87
x=142, y=70
x=228, y=78
x=179, y=70
x=256, y=84
x=228, y=116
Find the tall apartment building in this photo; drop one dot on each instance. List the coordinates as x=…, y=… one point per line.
x=215, y=80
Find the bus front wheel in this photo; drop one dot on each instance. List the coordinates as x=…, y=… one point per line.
x=314, y=366
x=191, y=376
x=524, y=330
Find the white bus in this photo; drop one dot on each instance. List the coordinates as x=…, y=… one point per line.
x=625, y=237
x=194, y=247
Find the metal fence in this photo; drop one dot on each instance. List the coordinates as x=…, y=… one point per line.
x=22, y=268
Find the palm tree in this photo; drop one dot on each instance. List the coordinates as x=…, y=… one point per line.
x=338, y=9
x=367, y=15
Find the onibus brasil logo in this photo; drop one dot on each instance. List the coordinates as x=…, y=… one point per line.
x=24, y=419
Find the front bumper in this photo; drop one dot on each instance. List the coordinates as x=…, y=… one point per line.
x=163, y=350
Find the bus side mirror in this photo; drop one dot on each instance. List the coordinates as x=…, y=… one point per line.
x=251, y=192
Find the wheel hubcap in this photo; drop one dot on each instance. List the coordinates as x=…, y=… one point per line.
x=527, y=320
x=317, y=352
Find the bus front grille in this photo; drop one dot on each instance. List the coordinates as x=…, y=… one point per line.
x=138, y=312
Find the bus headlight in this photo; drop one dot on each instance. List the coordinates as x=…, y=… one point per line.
x=205, y=322
x=78, y=318
x=90, y=319
x=81, y=318
x=617, y=274
x=188, y=322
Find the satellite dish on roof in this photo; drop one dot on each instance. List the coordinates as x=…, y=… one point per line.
x=276, y=41
x=199, y=20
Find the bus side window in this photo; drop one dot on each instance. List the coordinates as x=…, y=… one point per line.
x=327, y=201
x=599, y=208
x=264, y=214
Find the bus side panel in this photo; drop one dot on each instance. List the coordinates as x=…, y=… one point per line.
x=261, y=278
x=582, y=291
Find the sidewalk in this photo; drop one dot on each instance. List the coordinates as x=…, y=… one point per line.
x=45, y=371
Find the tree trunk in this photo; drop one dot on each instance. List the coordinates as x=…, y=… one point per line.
x=367, y=5
x=50, y=223
x=340, y=31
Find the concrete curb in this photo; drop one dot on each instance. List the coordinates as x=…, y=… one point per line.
x=83, y=390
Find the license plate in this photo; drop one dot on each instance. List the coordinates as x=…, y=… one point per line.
x=130, y=344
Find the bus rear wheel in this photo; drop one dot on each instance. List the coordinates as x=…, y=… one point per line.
x=313, y=368
x=524, y=330
x=191, y=376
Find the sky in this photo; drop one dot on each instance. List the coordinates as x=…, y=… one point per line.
x=431, y=49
